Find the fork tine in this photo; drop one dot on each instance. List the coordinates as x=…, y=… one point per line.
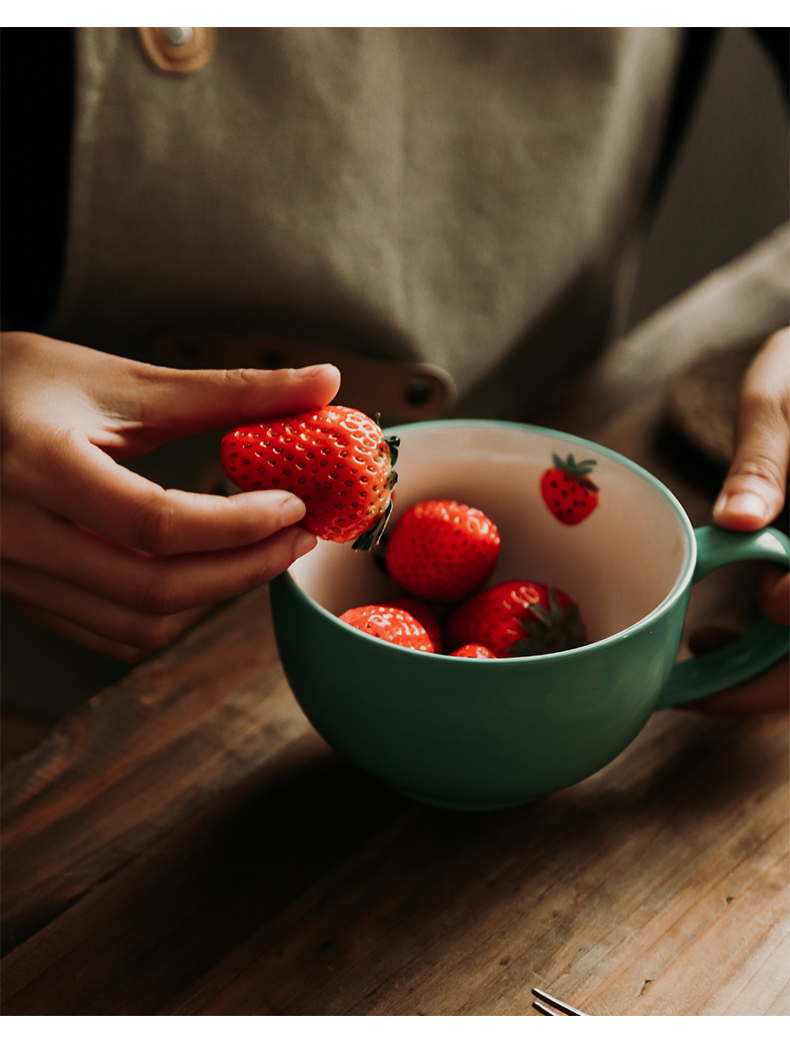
x=549, y=999
x=544, y=1009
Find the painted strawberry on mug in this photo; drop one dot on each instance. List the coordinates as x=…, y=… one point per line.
x=567, y=489
x=336, y=459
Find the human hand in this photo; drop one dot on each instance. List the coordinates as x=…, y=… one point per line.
x=752, y=496
x=101, y=555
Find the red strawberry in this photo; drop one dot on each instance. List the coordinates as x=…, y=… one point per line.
x=518, y=618
x=442, y=550
x=568, y=491
x=389, y=624
x=474, y=652
x=423, y=615
x=335, y=459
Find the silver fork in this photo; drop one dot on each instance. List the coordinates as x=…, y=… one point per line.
x=548, y=1005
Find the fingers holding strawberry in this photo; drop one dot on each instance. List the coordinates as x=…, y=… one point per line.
x=336, y=460
x=36, y=541
x=70, y=414
x=97, y=552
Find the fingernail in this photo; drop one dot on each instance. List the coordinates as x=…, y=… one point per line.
x=744, y=504
x=313, y=370
x=303, y=543
x=292, y=509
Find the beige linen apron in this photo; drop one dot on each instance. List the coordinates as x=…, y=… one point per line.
x=447, y=213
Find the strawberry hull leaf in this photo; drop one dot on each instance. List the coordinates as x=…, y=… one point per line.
x=542, y=614
x=555, y=629
x=393, y=443
x=578, y=471
x=571, y=466
x=529, y=646
x=372, y=536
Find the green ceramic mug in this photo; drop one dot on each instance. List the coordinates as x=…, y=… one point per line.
x=483, y=734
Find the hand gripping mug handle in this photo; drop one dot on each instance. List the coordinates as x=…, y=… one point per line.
x=759, y=648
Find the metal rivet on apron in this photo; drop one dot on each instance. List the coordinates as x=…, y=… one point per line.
x=178, y=49
x=177, y=36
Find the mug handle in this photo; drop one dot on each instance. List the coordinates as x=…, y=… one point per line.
x=759, y=648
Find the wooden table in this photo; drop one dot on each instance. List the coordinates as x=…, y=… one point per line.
x=188, y=844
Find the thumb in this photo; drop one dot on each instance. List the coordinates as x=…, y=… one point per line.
x=175, y=402
x=753, y=492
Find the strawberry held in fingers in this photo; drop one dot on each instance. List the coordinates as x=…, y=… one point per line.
x=518, y=618
x=337, y=460
x=442, y=550
x=389, y=624
x=568, y=491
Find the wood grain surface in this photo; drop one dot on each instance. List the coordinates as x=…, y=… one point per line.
x=145, y=755
x=189, y=845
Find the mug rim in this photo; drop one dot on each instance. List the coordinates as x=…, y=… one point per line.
x=681, y=583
